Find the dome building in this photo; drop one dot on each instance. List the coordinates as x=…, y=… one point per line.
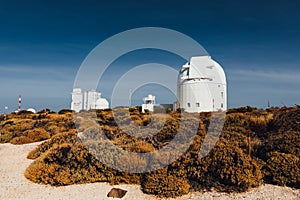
x=102, y=103
x=202, y=86
x=31, y=110
x=87, y=100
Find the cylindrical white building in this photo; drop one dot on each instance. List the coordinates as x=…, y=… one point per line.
x=202, y=86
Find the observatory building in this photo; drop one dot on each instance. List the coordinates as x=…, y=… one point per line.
x=90, y=100
x=76, y=104
x=148, y=104
x=201, y=86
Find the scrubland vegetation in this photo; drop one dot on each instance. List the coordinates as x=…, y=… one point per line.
x=63, y=159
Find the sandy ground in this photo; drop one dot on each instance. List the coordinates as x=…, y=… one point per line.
x=13, y=184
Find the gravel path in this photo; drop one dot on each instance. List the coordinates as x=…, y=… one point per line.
x=13, y=184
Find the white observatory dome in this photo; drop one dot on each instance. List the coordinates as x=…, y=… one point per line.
x=202, y=86
x=31, y=110
x=102, y=103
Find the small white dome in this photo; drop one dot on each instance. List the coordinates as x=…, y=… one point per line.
x=102, y=103
x=31, y=110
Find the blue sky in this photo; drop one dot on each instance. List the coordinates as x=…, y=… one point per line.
x=43, y=43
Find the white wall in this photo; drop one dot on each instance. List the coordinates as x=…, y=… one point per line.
x=92, y=97
x=149, y=107
x=76, y=104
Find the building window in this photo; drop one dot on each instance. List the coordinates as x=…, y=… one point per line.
x=222, y=105
x=185, y=72
x=197, y=104
x=222, y=95
x=188, y=104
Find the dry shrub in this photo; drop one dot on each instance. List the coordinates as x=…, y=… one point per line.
x=287, y=142
x=226, y=168
x=29, y=136
x=21, y=140
x=241, y=110
x=286, y=119
x=164, y=184
x=85, y=123
x=53, y=129
x=274, y=143
x=138, y=146
x=18, y=126
x=24, y=112
x=28, y=127
x=66, y=164
x=142, y=147
x=283, y=169
x=236, y=119
x=5, y=136
x=232, y=167
x=37, y=134
x=65, y=111
x=66, y=137
x=105, y=117
x=259, y=123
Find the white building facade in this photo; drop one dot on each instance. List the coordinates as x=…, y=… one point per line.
x=76, y=104
x=148, y=104
x=87, y=101
x=90, y=98
x=202, y=86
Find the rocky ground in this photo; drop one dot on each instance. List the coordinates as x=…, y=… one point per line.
x=13, y=184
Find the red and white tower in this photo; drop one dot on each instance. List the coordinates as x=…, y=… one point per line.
x=19, y=103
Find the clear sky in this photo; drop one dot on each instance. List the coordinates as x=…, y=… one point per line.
x=42, y=45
